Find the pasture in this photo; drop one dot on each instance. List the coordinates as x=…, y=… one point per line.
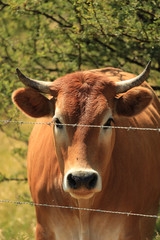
x=17, y=222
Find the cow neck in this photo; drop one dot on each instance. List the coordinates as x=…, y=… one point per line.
x=84, y=218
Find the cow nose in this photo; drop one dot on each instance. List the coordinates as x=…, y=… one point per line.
x=78, y=180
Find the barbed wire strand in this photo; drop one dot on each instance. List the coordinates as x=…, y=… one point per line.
x=81, y=125
x=77, y=208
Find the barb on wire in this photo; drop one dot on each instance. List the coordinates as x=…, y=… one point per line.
x=82, y=209
x=3, y=178
x=81, y=125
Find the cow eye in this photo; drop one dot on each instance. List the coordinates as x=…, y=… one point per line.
x=108, y=123
x=58, y=124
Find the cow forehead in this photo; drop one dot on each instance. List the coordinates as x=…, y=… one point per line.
x=81, y=95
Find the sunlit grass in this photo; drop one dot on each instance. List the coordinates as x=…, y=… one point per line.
x=16, y=221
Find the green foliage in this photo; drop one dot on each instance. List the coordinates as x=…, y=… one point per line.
x=47, y=39
x=51, y=38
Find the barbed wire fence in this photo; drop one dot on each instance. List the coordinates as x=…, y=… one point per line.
x=3, y=178
x=81, y=125
x=78, y=208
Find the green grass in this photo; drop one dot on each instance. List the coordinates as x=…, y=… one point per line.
x=16, y=221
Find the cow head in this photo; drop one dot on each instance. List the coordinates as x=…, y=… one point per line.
x=83, y=98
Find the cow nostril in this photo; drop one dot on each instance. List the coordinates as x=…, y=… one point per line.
x=87, y=180
x=73, y=181
x=91, y=181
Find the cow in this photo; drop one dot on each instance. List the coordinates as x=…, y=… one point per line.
x=79, y=157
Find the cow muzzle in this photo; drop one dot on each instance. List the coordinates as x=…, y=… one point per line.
x=82, y=183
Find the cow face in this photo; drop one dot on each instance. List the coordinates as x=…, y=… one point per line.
x=83, y=151
x=83, y=99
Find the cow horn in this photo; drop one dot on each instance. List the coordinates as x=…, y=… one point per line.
x=40, y=86
x=124, y=86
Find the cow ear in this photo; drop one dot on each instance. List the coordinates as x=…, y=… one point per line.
x=32, y=103
x=133, y=101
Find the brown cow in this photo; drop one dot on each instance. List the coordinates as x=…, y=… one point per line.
x=92, y=167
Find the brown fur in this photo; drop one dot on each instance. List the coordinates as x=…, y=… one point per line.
x=128, y=162
x=31, y=102
x=133, y=101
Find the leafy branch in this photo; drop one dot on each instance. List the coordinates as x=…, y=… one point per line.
x=37, y=12
x=3, y=5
